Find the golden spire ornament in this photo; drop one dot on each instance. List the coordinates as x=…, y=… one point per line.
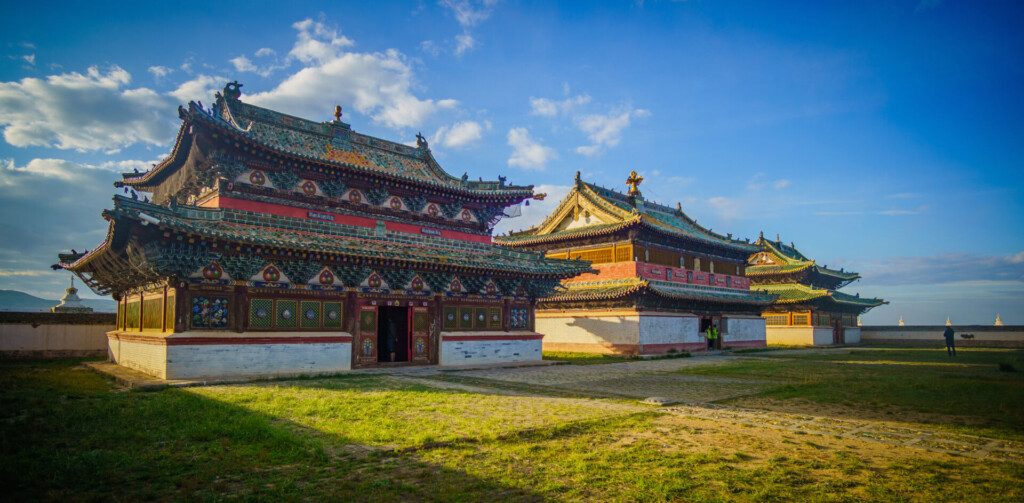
x=633, y=182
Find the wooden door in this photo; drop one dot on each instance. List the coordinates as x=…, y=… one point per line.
x=365, y=350
x=419, y=335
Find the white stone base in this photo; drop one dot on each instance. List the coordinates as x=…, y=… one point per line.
x=646, y=333
x=744, y=332
x=218, y=355
x=473, y=348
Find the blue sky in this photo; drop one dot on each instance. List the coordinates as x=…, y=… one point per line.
x=884, y=137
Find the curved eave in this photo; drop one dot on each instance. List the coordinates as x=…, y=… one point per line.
x=182, y=144
x=775, y=270
x=582, y=232
x=512, y=195
x=841, y=275
x=605, y=290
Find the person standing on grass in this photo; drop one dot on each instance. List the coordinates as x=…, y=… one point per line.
x=712, y=335
x=950, y=347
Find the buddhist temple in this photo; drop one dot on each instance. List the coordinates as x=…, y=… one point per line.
x=809, y=309
x=275, y=245
x=659, y=281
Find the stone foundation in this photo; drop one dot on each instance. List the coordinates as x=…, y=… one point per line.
x=473, y=348
x=197, y=355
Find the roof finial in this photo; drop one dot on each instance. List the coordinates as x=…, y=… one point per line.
x=337, y=113
x=232, y=90
x=421, y=142
x=778, y=238
x=761, y=235
x=633, y=182
x=577, y=176
x=679, y=209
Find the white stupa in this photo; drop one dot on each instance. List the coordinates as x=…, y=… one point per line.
x=70, y=303
x=948, y=323
x=999, y=321
x=901, y=322
x=860, y=322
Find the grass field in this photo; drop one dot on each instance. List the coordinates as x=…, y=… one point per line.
x=67, y=433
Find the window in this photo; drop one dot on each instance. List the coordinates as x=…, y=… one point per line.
x=169, y=314
x=519, y=318
x=776, y=319
x=153, y=313
x=696, y=263
x=801, y=319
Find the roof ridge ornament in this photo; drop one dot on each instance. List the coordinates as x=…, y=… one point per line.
x=233, y=90
x=421, y=142
x=337, y=113
x=633, y=182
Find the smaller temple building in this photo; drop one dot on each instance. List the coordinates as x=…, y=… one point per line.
x=809, y=310
x=660, y=279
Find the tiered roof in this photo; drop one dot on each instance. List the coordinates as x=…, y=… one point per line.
x=782, y=270
x=786, y=260
x=616, y=211
x=331, y=144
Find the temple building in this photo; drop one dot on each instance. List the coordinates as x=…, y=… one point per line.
x=660, y=278
x=809, y=310
x=275, y=245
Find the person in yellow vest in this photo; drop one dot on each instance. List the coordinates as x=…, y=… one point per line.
x=712, y=335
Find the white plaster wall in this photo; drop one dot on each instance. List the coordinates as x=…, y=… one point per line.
x=1007, y=335
x=590, y=330
x=148, y=358
x=257, y=360
x=823, y=336
x=744, y=329
x=669, y=330
x=47, y=337
x=789, y=336
x=455, y=353
x=852, y=335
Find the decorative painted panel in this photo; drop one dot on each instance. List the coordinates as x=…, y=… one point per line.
x=519, y=318
x=451, y=318
x=286, y=314
x=310, y=311
x=494, y=318
x=209, y=312
x=366, y=348
x=332, y=314
x=480, y=318
x=465, y=318
x=420, y=344
x=261, y=313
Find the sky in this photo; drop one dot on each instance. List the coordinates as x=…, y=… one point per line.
x=883, y=137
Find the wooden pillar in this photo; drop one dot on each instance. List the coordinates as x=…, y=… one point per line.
x=350, y=316
x=241, y=300
x=182, y=303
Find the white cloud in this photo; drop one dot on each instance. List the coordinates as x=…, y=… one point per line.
x=550, y=108
x=317, y=43
x=1017, y=258
x=463, y=43
x=200, y=88
x=468, y=14
x=377, y=84
x=781, y=184
x=460, y=134
x=59, y=169
x=537, y=211
x=8, y=273
x=726, y=207
x=30, y=59
x=160, y=71
x=91, y=111
x=430, y=47
x=526, y=152
x=265, y=52
x=243, y=64
x=605, y=131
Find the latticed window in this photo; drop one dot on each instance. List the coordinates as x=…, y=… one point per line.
x=624, y=253
x=776, y=319
x=801, y=319
x=598, y=256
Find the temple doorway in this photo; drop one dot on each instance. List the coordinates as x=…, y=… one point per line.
x=705, y=322
x=392, y=334
x=838, y=335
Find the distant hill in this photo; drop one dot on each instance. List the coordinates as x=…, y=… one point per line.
x=13, y=300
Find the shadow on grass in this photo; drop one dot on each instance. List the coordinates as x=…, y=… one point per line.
x=65, y=433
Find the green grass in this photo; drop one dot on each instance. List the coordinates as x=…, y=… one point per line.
x=573, y=358
x=68, y=434
x=967, y=392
